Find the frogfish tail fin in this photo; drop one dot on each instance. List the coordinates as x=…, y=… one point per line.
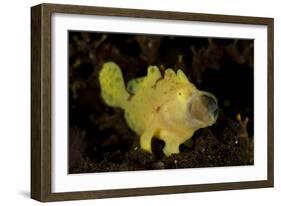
x=113, y=90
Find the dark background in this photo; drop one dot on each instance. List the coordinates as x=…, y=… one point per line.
x=99, y=138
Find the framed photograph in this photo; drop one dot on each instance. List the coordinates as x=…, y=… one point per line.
x=132, y=102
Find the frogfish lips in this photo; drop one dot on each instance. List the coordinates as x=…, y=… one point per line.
x=202, y=109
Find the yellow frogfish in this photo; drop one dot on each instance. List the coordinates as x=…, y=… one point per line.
x=170, y=108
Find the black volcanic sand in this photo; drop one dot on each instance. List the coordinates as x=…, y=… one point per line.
x=101, y=141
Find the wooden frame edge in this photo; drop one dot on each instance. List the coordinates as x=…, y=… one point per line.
x=84, y=195
x=36, y=58
x=41, y=101
x=158, y=14
x=270, y=101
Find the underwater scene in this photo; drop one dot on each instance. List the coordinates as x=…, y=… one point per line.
x=150, y=102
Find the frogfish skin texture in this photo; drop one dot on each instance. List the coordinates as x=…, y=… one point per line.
x=170, y=108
